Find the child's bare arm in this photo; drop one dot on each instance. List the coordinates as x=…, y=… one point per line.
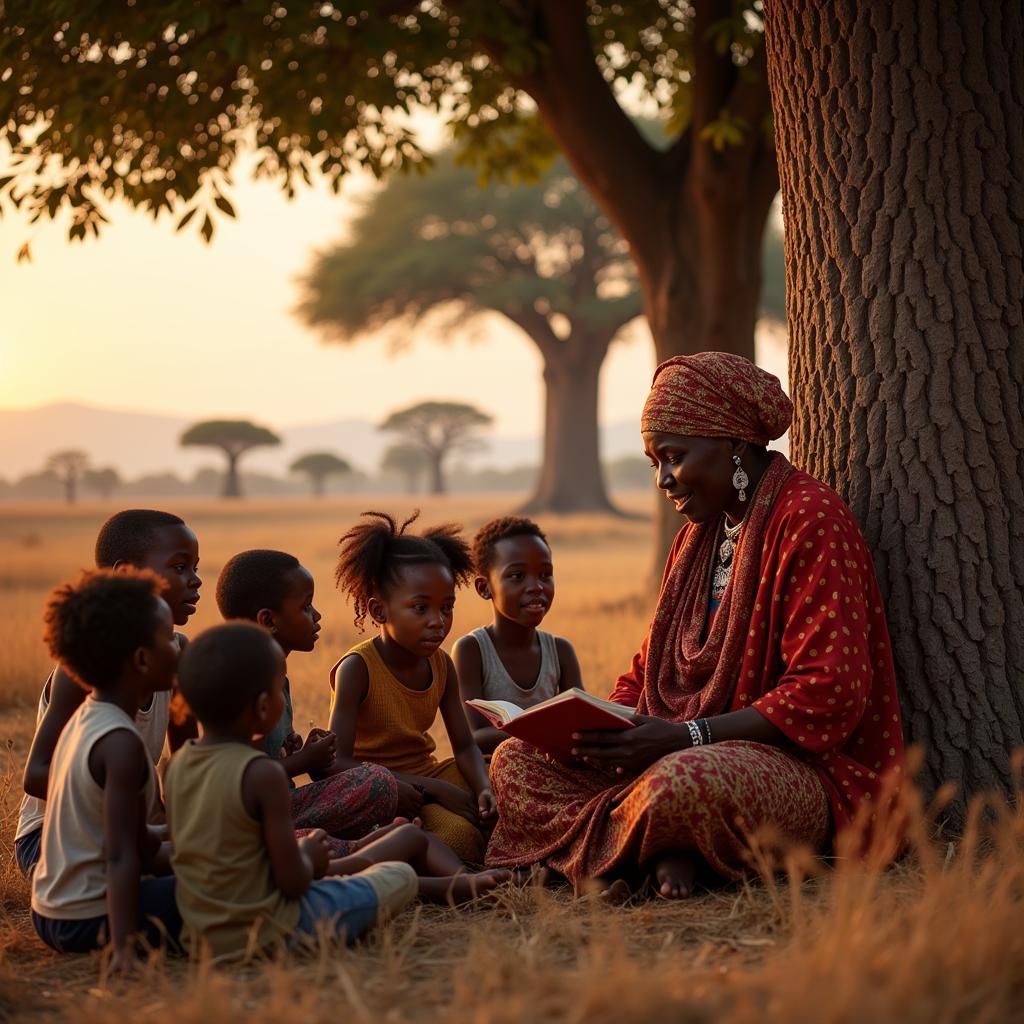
x=119, y=763
x=266, y=797
x=467, y=753
x=470, y=670
x=181, y=725
x=569, y=666
x=351, y=683
x=66, y=697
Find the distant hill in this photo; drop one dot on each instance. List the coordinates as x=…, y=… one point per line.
x=137, y=443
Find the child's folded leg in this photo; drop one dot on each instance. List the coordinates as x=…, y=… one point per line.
x=350, y=906
x=348, y=804
x=452, y=829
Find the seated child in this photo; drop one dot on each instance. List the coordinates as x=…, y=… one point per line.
x=272, y=589
x=116, y=634
x=512, y=659
x=144, y=539
x=245, y=883
x=387, y=690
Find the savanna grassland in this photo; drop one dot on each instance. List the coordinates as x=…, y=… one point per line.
x=937, y=938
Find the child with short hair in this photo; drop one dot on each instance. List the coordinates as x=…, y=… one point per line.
x=274, y=590
x=143, y=539
x=388, y=690
x=513, y=660
x=244, y=882
x=116, y=634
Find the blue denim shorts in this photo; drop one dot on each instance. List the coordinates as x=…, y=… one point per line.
x=158, y=922
x=348, y=907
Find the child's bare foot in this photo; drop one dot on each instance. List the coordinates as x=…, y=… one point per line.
x=673, y=875
x=464, y=887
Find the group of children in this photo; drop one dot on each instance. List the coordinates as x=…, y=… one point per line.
x=232, y=856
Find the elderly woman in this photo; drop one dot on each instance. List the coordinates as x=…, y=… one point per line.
x=765, y=691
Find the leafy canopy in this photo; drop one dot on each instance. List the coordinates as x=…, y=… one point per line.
x=233, y=436
x=424, y=243
x=320, y=464
x=153, y=102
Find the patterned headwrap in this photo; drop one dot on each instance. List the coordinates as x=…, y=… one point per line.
x=716, y=394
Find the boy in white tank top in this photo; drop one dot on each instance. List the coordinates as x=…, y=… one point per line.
x=116, y=634
x=512, y=659
x=143, y=539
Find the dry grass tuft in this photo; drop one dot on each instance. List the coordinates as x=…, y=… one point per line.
x=938, y=938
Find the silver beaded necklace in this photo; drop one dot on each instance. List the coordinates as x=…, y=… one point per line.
x=723, y=570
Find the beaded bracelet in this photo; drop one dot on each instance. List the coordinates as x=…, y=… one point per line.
x=700, y=732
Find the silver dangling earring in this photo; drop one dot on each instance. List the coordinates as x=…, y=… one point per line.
x=740, y=479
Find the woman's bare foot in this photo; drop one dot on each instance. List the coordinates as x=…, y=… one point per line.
x=463, y=887
x=613, y=891
x=673, y=875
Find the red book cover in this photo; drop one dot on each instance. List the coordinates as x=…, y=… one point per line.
x=549, y=726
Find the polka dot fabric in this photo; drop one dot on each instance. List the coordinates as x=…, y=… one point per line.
x=716, y=394
x=816, y=659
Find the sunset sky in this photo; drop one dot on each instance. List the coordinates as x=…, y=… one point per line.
x=145, y=318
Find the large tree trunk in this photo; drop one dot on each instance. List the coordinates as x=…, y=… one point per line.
x=571, y=479
x=899, y=127
x=436, y=463
x=232, y=485
x=693, y=215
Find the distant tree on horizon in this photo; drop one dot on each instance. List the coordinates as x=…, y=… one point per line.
x=69, y=465
x=438, y=429
x=318, y=466
x=103, y=481
x=234, y=438
x=406, y=461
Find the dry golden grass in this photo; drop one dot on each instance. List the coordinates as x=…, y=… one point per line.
x=938, y=938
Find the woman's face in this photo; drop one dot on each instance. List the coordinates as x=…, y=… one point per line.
x=695, y=473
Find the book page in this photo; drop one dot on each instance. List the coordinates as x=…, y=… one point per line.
x=498, y=711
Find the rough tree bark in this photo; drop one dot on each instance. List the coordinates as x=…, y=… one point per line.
x=694, y=216
x=901, y=148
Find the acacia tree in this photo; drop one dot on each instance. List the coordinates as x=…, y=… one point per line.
x=318, y=466
x=234, y=438
x=407, y=461
x=902, y=160
x=103, y=481
x=68, y=466
x=542, y=256
x=438, y=429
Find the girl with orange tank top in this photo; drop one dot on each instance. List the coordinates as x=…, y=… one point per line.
x=389, y=689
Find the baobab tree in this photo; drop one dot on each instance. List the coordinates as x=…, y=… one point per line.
x=234, y=438
x=438, y=429
x=902, y=164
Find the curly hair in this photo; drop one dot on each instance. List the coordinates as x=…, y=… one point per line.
x=129, y=535
x=225, y=668
x=490, y=533
x=252, y=580
x=375, y=551
x=94, y=625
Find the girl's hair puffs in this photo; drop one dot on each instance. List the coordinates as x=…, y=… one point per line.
x=373, y=552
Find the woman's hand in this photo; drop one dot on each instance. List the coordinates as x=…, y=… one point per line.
x=292, y=744
x=453, y=799
x=630, y=751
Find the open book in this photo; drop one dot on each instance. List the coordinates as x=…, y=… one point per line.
x=549, y=725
